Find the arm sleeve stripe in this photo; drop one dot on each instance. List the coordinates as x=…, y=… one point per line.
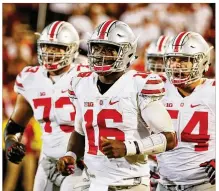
x=19, y=84
x=158, y=91
x=153, y=82
x=71, y=92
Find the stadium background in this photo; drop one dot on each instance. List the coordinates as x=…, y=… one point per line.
x=20, y=21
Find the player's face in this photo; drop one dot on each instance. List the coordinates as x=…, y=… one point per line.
x=52, y=53
x=104, y=54
x=180, y=66
x=156, y=64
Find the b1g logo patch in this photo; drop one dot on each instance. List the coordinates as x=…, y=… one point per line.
x=88, y=104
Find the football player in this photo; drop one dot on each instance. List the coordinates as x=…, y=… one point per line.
x=154, y=55
x=190, y=101
x=42, y=93
x=116, y=111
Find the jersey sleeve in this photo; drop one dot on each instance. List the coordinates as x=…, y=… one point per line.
x=23, y=79
x=157, y=118
x=150, y=89
x=71, y=92
x=74, y=100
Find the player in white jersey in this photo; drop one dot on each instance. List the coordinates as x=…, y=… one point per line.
x=43, y=93
x=154, y=63
x=190, y=100
x=154, y=55
x=116, y=111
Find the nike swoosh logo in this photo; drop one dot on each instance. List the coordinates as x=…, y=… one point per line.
x=192, y=106
x=63, y=91
x=112, y=103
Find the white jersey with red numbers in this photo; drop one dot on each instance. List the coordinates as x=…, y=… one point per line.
x=194, y=122
x=51, y=105
x=115, y=115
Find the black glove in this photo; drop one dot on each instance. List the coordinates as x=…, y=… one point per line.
x=210, y=170
x=15, y=151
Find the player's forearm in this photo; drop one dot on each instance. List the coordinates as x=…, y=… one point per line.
x=22, y=111
x=19, y=119
x=76, y=144
x=171, y=140
x=164, y=137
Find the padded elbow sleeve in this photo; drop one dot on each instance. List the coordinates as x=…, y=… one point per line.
x=153, y=144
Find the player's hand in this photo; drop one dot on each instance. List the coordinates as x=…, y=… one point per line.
x=210, y=170
x=113, y=148
x=66, y=165
x=15, y=151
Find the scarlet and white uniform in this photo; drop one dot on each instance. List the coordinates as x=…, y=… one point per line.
x=194, y=122
x=115, y=115
x=52, y=109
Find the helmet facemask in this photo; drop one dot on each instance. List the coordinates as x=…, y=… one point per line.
x=155, y=63
x=56, y=56
x=185, y=69
x=106, y=57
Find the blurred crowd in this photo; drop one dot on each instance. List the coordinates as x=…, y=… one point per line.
x=148, y=21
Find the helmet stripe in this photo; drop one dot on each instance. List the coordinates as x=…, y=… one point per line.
x=100, y=28
x=179, y=39
x=161, y=43
x=104, y=29
x=54, y=28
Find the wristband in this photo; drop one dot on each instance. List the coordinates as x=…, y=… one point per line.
x=12, y=137
x=130, y=148
x=72, y=154
x=137, y=148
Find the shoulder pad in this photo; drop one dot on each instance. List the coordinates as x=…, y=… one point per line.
x=153, y=86
x=24, y=78
x=163, y=77
x=82, y=67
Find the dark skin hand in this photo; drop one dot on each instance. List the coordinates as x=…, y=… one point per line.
x=113, y=148
x=116, y=149
x=76, y=144
x=66, y=164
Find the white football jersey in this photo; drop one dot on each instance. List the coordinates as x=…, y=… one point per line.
x=115, y=115
x=194, y=122
x=51, y=105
